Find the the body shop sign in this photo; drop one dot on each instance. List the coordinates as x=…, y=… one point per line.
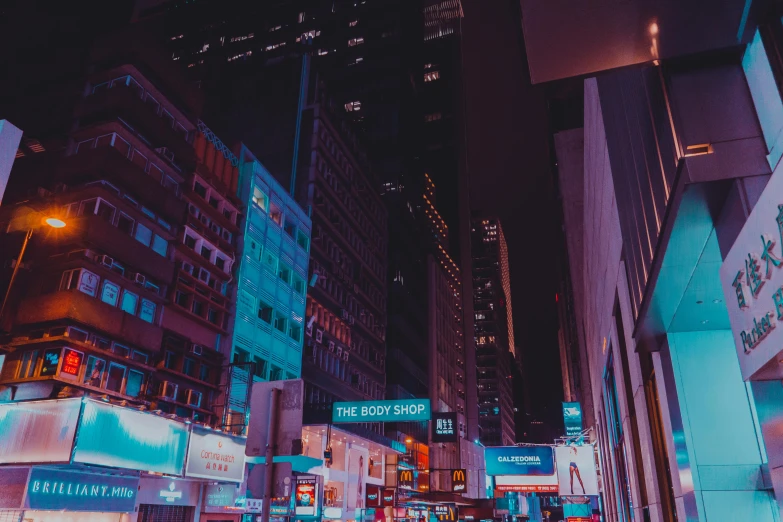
x=55, y=490
x=213, y=455
x=405, y=410
x=752, y=279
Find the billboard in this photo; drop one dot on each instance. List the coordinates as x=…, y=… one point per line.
x=124, y=438
x=404, y=410
x=576, y=470
x=572, y=418
x=444, y=426
x=38, y=432
x=56, y=490
x=306, y=502
x=213, y=455
x=519, y=460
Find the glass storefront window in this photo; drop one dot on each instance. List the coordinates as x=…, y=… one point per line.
x=95, y=370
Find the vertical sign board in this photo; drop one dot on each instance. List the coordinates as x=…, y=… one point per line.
x=572, y=418
x=405, y=479
x=306, y=502
x=752, y=280
x=444, y=426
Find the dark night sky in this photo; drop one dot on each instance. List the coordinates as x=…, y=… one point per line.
x=508, y=154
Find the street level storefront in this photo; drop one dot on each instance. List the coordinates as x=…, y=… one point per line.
x=752, y=280
x=46, y=476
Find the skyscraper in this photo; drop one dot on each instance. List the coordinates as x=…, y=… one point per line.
x=494, y=336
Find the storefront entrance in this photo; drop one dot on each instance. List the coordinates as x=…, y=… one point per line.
x=150, y=513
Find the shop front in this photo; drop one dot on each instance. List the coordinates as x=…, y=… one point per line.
x=752, y=280
x=169, y=499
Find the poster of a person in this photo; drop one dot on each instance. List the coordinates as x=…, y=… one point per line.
x=576, y=470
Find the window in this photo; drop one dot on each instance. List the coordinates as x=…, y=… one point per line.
x=241, y=356
x=194, y=398
x=355, y=41
x=159, y=245
x=115, y=377
x=435, y=116
x=197, y=308
x=276, y=214
x=105, y=211
x=220, y=263
x=270, y=260
x=29, y=362
x=276, y=374
x=110, y=293
x=140, y=357
x=122, y=351
x=125, y=223
x=213, y=316
x=83, y=280
x=95, y=370
x=51, y=358
x=189, y=367
x=200, y=189
x=181, y=299
x=298, y=285
x=147, y=311
x=134, y=384
x=353, y=106
x=139, y=159
x=295, y=332
x=203, y=373
x=281, y=323
x=289, y=227
x=302, y=240
x=129, y=302
x=190, y=242
x=259, y=367
x=264, y=311
x=206, y=252
x=284, y=273
x=143, y=234
x=169, y=360
x=431, y=76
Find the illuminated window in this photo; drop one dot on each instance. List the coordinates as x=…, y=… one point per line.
x=431, y=76
x=435, y=116
x=353, y=106
x=355, y=41
x=353, y=23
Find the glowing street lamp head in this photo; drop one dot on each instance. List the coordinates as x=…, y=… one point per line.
x=55, y=222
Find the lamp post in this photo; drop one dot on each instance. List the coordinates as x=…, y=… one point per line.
x=50, y=221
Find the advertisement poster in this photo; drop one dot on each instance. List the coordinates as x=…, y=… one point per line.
x=572, y=417
x=519, y=460
x=306, y=496
x=576, y=470
x=358, y=460
x=213, y=455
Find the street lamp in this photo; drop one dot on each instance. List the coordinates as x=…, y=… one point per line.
x=49, y=221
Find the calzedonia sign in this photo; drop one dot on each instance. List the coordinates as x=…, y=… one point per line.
x=520, y=460
x=406, y=410
x=752, y=280
x=57, y=490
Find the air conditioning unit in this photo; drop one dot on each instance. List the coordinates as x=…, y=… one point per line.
x=351, y=319
x=345, y=313
x=203, y=275
x=331, y=346
x=215, y=228
x=106, y=260
x=204, y=219
x=309, y=330
x=339, y=352
x=226, y=235
x=139, y=279
x=193, y=209
x=319, y=336
x=196, y=349
x=186, y=267
x=345, y=356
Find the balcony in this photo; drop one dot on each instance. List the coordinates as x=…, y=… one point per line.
x=109, y=240
x=92, y=312
x=109, y=164
x=125, y=103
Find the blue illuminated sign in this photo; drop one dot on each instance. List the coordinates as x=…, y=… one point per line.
x=572, y=417
x=405, y=410
x=518, y=460
x=124, y=438
x=55, y=490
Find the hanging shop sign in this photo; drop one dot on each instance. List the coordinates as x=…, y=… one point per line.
x=220, y=496
x=444, y=426
x=459, y=481
x=445, y=512
x=388, y=497
x=752, y=280
x=405, y=410
x=374, y=494
x=253, y=505
x=55, y=490
x=576, y=473
x=519, y=460
x=572, y=418
x=72, y=361
x=213, y=455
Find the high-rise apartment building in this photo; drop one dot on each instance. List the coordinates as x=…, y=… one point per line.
x=132, y=298
x=495, y=353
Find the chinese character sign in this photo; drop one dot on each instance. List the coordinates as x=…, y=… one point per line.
x=752, y=280
x=444, y=427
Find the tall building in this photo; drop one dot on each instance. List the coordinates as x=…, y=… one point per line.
x=495, y=356
x=270, y=327
x=671, y=195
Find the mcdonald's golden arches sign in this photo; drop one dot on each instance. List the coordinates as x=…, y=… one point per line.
x=459, y=481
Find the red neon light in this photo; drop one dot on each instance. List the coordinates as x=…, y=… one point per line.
x=71, y=362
